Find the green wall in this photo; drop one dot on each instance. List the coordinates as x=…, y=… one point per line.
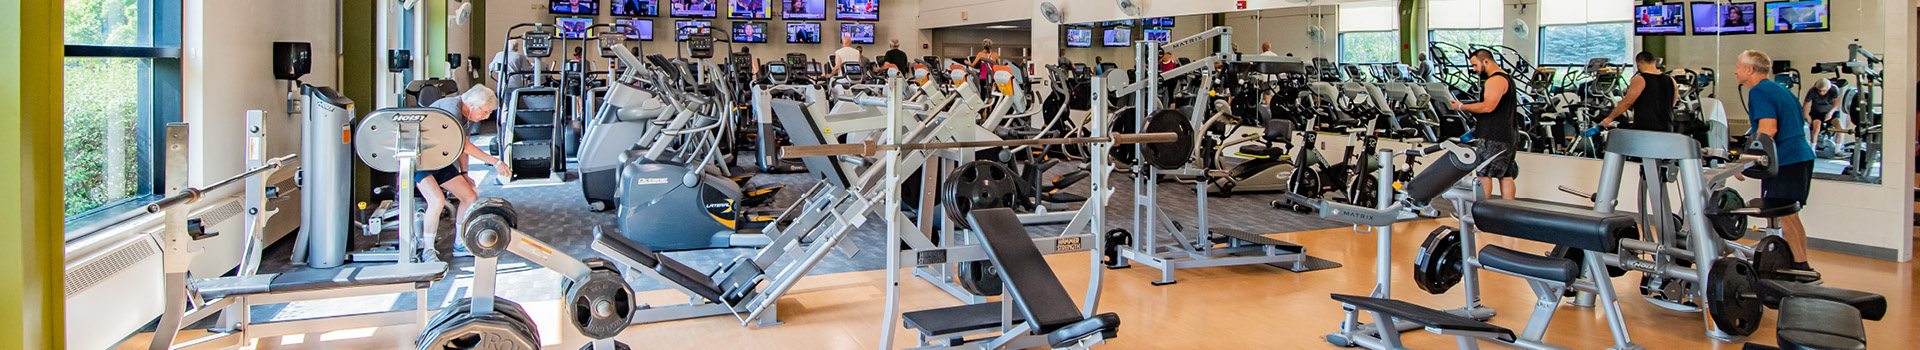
x=31, y=220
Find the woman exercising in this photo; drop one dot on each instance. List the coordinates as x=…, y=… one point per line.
x=473, y=106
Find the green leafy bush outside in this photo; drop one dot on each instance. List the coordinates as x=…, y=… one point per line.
x=102, y=100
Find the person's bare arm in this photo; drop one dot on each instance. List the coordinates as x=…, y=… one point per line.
x=1495, y=89
x=1836, y=106
x=1633, y=94
x=498, y=166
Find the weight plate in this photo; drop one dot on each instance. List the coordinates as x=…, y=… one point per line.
x=456, y=328
x=1770, y=257
x=1732, y=297
x=979, y=277
x=1721, y=204
x=1437, y=267
x=978, y=184
x=602, y=306
x=1110, y=254
x=487, y=235
x=1169, y=155
x=616, y=346
x=433, y=136
x=1122, y=122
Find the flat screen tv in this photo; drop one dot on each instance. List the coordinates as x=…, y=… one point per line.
x=692, y=8
x=1116, y=37
x=803, y=33
x=1712, y=18
x=859, y=33
x=682, y=28
x=1798, y=16
x=574, y=7
x=574, y=28
x=632, y=8
x=803, y=9
x=1079, y=37
x=865, y=10
x=1158, y=22
x=1116, y=23
x=1160, y=35
x=1659, y=19
x=749, y=32
x=638, y=29
x=747, y=9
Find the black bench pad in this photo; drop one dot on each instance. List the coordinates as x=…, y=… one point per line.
x=1556, y=224
x=1769, y=208
x=420, y=274
x=1423, y=316
x=1536, y=266
x=673, y=270
x=963, y=318
x=627, y=247
x=1030, y=281
x=1104, y=324
x=1249, y=237
x=1807, y=323
x=1872, y=306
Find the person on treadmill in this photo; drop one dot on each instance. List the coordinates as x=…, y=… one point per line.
x=472, y=106
x=1494, y=123
x=1773, y=111
x=897, y=59
x=1651, y=97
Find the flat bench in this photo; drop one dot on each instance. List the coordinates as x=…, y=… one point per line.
x=421, y=275
x=958, y=319
x=1570, y=226
x=1872, y=306
x=1435, y=321
x=1042, y=301
x=1807, y=323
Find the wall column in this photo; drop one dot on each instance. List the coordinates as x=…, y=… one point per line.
x=31, y=220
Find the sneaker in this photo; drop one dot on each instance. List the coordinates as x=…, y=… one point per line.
x=460, y=250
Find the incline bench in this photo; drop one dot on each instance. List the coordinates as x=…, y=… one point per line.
x=1045, y=308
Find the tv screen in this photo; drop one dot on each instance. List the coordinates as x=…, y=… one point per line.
x=803, y=33
x=857, y=10
x=749, y=32
x=803, y=9
x=692, y=8
x=747, y=9
x=1661, y=19
x=1797, y=16
x=574, y=7
x=1711, y=18
x=1116, y=23
x=636, y=8
x=1077, y=37
x=574, y=28
x=639, y=29
x=860, y=33
x=1116, y=37
x=1158, y=22
x=1160, y=35
x=682, y=28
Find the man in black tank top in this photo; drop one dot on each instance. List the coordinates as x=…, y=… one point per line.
x=1494, y=123
x=1651, y=97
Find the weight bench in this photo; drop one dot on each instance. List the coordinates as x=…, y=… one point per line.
x=1812, y=323
x=1592, y=232
x=1045, y=308
x=632, y=254
x=420, y=275
x=1774, y=293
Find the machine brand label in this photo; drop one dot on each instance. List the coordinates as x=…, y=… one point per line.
x=650, y=181
x=1067, y=244
x=409, y=117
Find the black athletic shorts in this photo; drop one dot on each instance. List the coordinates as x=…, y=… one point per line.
x=1503, y=165
x=1793, y=182
x=439, y=176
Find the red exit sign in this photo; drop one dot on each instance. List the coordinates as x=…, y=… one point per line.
x=1240, y=5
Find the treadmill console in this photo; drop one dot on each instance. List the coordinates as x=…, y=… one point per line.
x=700, y=44
x=537, y=43
x=853, y=71
x=777, y=73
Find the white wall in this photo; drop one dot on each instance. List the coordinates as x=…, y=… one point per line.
x=1286, y=29
x=1184, y=26
x=954, y=13
x=897, y=21
x=227, y=70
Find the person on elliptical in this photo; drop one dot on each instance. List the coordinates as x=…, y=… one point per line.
x=897, y=60
x=1651, y=97
x=1773, y=112
x=472, y=106
x=1494, y=125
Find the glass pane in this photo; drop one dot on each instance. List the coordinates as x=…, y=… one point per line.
x=1369, y=47
x=103, y=140
x=1467, y=38
x=105, y=22
x=1575, y=44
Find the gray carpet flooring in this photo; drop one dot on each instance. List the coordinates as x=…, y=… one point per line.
x=558, y=214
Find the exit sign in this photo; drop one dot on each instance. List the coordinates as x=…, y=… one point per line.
x=1240, y=5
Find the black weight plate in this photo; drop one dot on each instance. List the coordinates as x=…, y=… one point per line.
x=487, y=235
x=1732, y=300
x=1721, y=204
x=979, y=277
x=1122, y=122
x=1110, y=254
x=602, y=306
x=616, y=346
x=1437, y=267
x=978, y=184
x=1771, y=256
x=1169, y=155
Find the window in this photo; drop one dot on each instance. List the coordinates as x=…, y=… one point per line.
x=1368, y=32
x=1467, y=37
x=122, y=77
x=1464, y=23
x=1575, y=44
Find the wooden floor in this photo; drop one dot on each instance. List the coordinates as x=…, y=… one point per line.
x=1247, y=307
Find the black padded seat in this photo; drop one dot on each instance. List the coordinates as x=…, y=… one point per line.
x=1815, y=324
x=628, y=248
x=1872, y=306
x=1556, y=224
x=419, y=274
x=1030, y=280
x=673, y=270
x=1536, y=266
x=952, y=320
x=1769, y=208
x=1424, y=316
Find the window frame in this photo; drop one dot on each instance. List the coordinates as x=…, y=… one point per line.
x=159, y=103
x=1340, y=46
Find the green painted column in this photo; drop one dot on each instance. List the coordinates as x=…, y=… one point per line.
x=437, y=39
x=477, y=34
x=31, y=220
x=1409, y=33
x=357, y=76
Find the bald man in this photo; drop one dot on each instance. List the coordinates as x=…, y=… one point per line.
x=846, y=53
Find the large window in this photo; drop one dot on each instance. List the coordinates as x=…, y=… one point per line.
x=1464, y=23
x=1467, y=37
x=1368, y=32
x=122, y=84
x=1575, y=44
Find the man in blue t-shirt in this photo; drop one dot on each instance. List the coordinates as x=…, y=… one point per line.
x=1773, y=110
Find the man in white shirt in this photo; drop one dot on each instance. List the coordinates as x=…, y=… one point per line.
x=846, y=53
x=1267, y=50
